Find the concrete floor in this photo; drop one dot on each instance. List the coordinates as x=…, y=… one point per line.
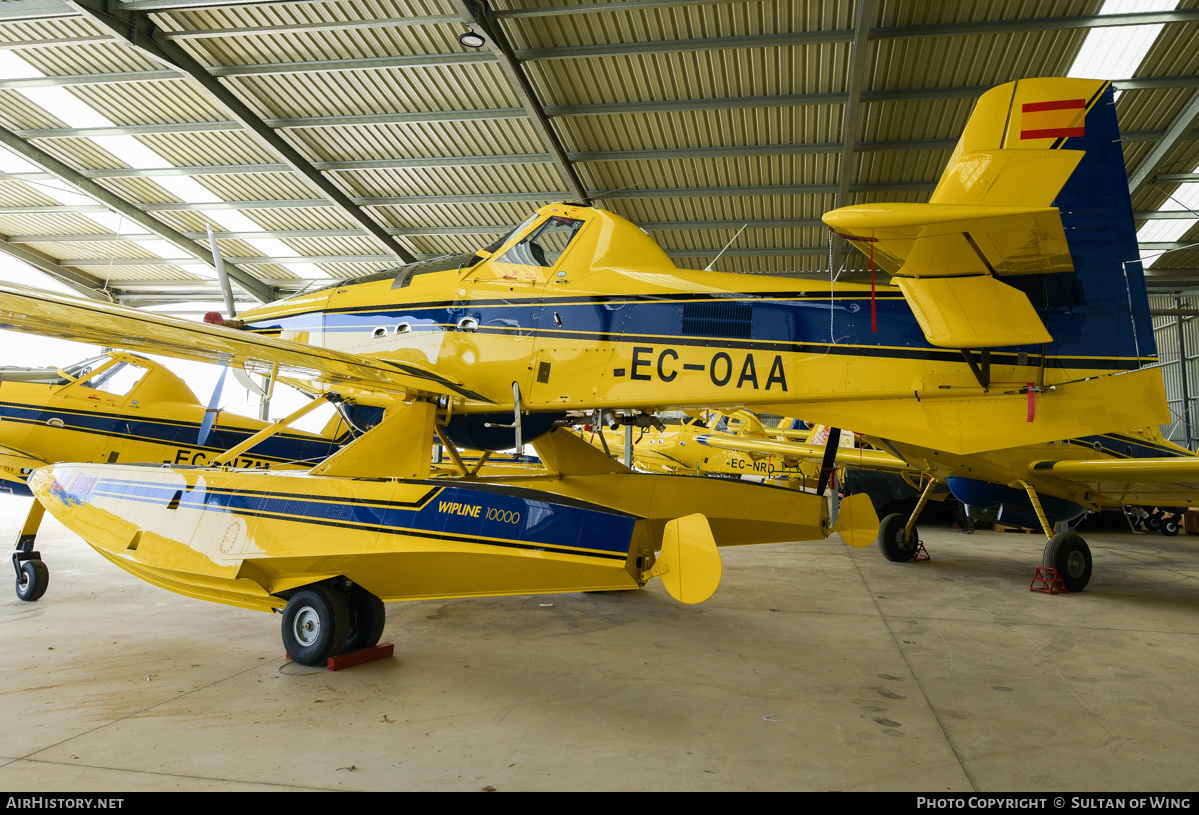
x=814, y=667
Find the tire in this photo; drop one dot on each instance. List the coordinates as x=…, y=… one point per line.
x=315, y=623
x=366, y=619
x=33, y=580
x=1170, y=527
x=1069, y=554
x=1153, y=522
x=892, y=542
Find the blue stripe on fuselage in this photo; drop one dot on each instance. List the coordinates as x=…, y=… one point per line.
x=281, y=448
x=786, y=325
x=487, y=517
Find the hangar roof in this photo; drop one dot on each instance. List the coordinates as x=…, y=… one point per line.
x=334, y=138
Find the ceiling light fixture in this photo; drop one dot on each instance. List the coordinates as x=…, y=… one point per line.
x=472, y=39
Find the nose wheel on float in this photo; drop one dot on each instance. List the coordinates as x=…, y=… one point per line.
x=33, y=577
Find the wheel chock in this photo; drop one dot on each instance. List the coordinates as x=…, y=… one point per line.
x=921, y=553
x=352, y=658
x=359, y=657
x=1051, y=583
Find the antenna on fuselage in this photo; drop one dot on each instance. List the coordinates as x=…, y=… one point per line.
x=708, y=268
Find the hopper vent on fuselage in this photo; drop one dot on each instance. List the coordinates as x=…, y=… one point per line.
x=732, y=321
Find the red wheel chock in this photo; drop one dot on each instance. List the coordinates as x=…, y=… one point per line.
x=921, y=553
x=352, y=658
x=349, y=660
x=1051, y=583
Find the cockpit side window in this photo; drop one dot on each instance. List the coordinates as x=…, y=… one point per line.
x=543, y=246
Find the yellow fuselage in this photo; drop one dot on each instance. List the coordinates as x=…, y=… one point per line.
x=611, y=322
x=156, y=420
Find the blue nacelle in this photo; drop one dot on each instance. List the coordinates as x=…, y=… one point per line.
x=995, y=502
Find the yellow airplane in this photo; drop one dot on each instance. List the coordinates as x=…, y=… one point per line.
x=673, y=449
x=1043, y=486
x=578, y=310
x=122, y=407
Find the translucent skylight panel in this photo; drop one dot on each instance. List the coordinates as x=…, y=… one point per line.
x=76, y=113
x=1183, y=199
x=1116, y=52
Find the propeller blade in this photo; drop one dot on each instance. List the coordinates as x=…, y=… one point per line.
x=212, y=410
x=221, y=276
x=829, y=463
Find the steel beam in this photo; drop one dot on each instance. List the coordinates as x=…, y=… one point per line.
x=541, y=196
x=476, y=14
x=139, y=32
x=1176, y=132
x=130, y=211
x=83, y=284
x=304, y=28
x=854, y=80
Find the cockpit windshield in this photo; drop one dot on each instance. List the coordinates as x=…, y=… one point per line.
x=545, y=244
x=118, y=380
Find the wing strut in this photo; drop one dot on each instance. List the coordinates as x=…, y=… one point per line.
x=983, y=374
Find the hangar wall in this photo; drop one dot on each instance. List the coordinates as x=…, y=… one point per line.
x=1176, y=330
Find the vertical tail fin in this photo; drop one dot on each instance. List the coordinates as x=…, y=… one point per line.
x=1033, y=206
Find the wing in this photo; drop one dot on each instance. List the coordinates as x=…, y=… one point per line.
x=1170, y=481
x=849, y=456
x=34, y=311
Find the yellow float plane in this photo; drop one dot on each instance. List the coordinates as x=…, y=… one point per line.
x=1042, y=486
x=122, y=407
x=1019, y=293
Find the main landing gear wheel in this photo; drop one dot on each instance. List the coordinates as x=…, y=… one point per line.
x=1069, y=554
x=367, y=616
x=32, y=579
x=896, y=545
x=1170, y=526
x=315, y=624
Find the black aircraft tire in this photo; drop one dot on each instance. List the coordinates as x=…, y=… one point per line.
x=34, y=579
x=891, y=539
x=367, y=618
x=315, y=623
x=1069, y=554
x=1153, y=522
x=1170, y=527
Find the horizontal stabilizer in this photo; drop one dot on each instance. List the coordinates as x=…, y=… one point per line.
x=972, y=312
x=947, y=240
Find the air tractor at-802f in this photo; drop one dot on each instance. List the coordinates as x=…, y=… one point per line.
x=1019, y=316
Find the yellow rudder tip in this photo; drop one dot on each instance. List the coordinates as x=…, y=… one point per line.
x=857, y=521
x=689, y=564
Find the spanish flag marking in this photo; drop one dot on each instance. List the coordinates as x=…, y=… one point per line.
x=1052, y=120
